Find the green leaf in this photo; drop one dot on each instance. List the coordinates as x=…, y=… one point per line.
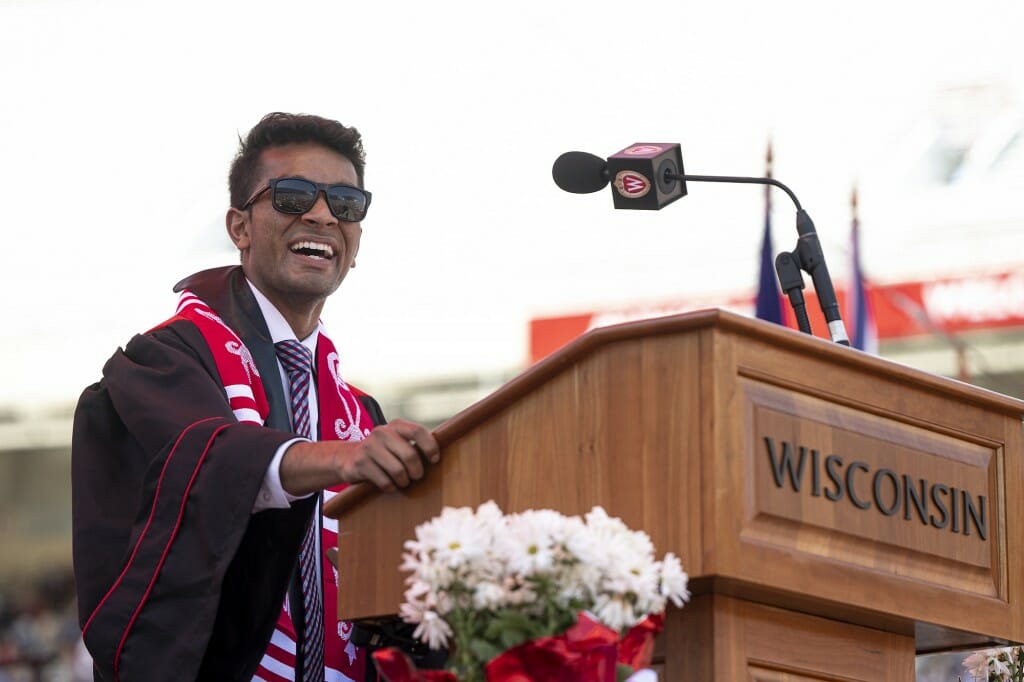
x=512, y=637
x=520, y=623
x=564, y=621
x=484, y=650
x=622, y=672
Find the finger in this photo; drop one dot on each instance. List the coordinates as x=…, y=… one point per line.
x=419, y=436
x=372, y=471
x=405, y=462
x=360, y=463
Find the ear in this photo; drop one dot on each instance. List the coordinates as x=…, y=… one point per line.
x=237, y=223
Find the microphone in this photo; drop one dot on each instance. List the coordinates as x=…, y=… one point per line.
x=641, y=174
x=649, y=176
x=580, y=172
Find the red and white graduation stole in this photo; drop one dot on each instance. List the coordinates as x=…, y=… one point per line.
x=342, y=417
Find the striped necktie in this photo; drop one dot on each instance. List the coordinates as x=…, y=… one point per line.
x=297, y=361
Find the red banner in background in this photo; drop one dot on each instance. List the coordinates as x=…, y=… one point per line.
x=939, y=306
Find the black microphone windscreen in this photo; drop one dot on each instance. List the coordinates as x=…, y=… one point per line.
x=580, y=172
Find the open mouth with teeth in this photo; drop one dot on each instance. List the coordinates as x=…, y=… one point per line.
x=313, y=250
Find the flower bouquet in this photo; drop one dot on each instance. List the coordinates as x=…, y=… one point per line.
x=996, y=665
x=533, y=596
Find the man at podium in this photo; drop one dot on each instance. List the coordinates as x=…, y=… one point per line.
x=201, y=459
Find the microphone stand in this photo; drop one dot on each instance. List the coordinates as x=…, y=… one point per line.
x=807, y=256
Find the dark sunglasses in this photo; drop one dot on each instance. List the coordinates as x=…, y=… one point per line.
x=297, y=195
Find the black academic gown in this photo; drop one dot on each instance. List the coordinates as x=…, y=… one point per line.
x=177, y=579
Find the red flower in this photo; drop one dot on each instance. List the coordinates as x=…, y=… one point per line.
x=394, y=666
x=637, y=646
x=587, y=652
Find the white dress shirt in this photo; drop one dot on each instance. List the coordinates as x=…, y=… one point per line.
x=272, y=495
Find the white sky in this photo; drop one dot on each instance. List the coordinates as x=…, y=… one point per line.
x=119, y=120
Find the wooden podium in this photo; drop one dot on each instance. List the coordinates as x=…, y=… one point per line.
x=836, y=512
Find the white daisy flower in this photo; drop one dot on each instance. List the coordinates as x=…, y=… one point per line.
x=489, y=596
x=464, y=563
x=615, y=611
x=455, y=538
x=674, y=580
x=433, y=630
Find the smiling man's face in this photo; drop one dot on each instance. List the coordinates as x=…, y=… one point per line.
x=297, y=261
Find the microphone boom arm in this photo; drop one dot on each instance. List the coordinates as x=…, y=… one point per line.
x=807, y=255
x=740, y=179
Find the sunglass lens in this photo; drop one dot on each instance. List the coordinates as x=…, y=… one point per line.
x=347, y=203
x=292, y=195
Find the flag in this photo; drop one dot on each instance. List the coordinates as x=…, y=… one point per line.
x=769, y=300
x=861, y=316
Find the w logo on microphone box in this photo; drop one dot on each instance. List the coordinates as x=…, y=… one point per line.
x=644, y=166
x=631, y=185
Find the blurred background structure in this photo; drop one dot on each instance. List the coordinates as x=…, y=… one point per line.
x=122, y=117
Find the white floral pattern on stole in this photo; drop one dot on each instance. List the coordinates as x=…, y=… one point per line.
x=346, y=428
x=235, y=347
x=345, y=633
x=248, y=363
